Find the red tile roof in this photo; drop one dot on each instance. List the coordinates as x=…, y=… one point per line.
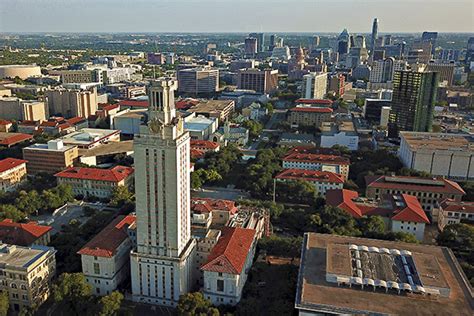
x=197, y=154
x=311, y=109
x=9, y=163
x=134, y=103
x=108, y=107
x=410, y=210
x=49, y=124
x=186, y=104
x=206, y=144
x=105, y=243
x=5, y=122
x=206, y=205
x=449, y=205
x=22, y=234
x=344, y=200
x=317, y=158
x=76, y=120
x=312, y=150
x=435, y=185
x=230, y=252
x=310, y=175
x=14, y=138
x=115, y=174
x=315, y=101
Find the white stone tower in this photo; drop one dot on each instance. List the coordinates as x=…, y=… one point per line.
x=161, y=266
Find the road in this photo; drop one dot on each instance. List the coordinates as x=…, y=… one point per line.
x=220, y=193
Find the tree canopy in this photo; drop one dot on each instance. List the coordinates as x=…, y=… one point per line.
x=192, y=304
x=110, y=304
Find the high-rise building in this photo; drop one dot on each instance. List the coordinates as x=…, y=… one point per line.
x=343, y=42
x=359, y=41
x=375, y=32
x=315, y=85
x=250, y=46
x=316, y=42
x=383, y=70
x=262, y=81
x=430, y=37
x=260, y=41
x=13, y=108
x=72, y=102
x=198, y=80
x=162, y=263
x=445, y=70
x=273, y=38
x=470, y=50
x=413, y=100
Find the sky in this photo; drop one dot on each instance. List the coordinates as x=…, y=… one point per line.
x=235, y=15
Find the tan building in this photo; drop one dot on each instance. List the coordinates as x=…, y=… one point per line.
x=309, y=116
x=221, y=109
x=79, y=76
x=262, y=81
x=198, y=80
x=49, y=158
x=445, y=70
x=100, y=183
x=13, y=108
x=72, y=102
x=21, y=71
x=12, y=173
x=26, y=273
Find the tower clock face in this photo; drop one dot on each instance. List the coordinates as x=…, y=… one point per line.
x=156, y=125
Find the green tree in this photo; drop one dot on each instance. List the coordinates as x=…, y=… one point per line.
x=196, y=181
x=73, y=290
x=28, y=202
x=4, y=303
x=192, y=304
x=110, y=304
x=372, y=226
x=299, y=192
x=11, y=212
x=255, y=128
x=121, y=196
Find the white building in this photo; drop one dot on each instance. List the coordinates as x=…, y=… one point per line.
x=342, y=134
x=446, y=155
x=309, y=161
x=322, y=180
x=105, y=258
x=315, y=85
x=162, y=263
x=408, y=216
x=12, y=173
x=453, y=212
x=227, y=266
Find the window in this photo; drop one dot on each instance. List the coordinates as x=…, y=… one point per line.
x=220, y=285
x=96, y=268
x=97, y=290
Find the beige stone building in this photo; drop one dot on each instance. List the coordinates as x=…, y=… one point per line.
x=12, y=173
x=50, y=158
x=72, y=102
x=262, y=81
x=26, y=273
x=309, y=115
x=13, y=108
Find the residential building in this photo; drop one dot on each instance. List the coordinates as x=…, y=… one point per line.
x=413, y=100
x=105, y=258
x=384, y=70
x=12, y=173
x=26, y=274
x=198, y=81
x=13, y=108
x=96, y=182
x=322, y=180
x=445, y=70
x=221, y=109
x=427, y=279
x=262, y=81
x=162, y=263
x=444, y=155
x=227, y=266
x=50, y=158
x=341, y=133
x=307, y=115
x=320, y=162
x=429, y=191
x=454, y=212
x=315, y=85
x=24, y=234
x=72, y=102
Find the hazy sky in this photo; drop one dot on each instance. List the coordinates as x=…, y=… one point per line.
x=235, y=16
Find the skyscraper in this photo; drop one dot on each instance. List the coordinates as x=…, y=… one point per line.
x=161, y=265
x=413, y=100
x=251, y=45
x=343, y=42
x=260, y=41
x=430, y=37
x=375, y=32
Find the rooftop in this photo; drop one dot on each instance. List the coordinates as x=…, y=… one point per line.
x=314, y=101
x=331, y=128
x=449, y=205
x=329, y=259
x=206, y=205
x=22, y=234
x=211, y=106
x=204, y=144
x=437, y=141
x=115, y=174
x=12, y=256
x=311, y=109
x=87, y=136
x=440, y=185
x=310, y=175
x=105, y=243
x=316, y=158
x=9, y=139
x=111, y=148
x=8, y=163
x=230, y=252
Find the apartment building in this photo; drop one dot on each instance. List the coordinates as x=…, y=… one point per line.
x=12, y=173
x=100, y=183
x=26, y=274
x=50, y=158
x=13, y=108
x=315, y=85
